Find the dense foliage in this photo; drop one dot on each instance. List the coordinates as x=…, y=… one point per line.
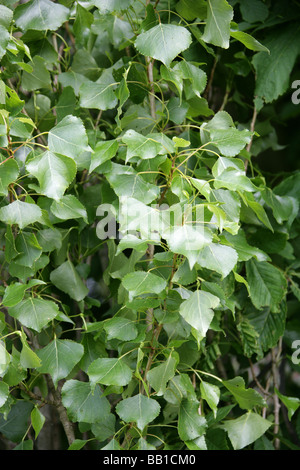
x=149, y=224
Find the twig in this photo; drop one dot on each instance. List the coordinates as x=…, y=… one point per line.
x=275, y=397
x=149, y=63
x=211, y=77
x=67, y=425
x=36, y=397
x=252, y=126
x=256, y=380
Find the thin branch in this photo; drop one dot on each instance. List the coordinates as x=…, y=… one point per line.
x=67, y=425
x=211, y=77
x=252, y=127
x=151, y=83
x=275, y=396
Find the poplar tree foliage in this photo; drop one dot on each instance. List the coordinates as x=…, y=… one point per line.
x=169, y=335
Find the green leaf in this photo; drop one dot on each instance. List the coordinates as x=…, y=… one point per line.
x=139, y=409
x=190, y=11
x=246, y=429
x=217, y=257
x=140, y=282
x=292, y=403
x=273, y=70
x=9, y=172
x=258, y=210
x=40, y=15
x=6, y=16
x=109, y=371
x=103, y=152
x=159, y=376
x=268, y=325
x=217, y=28
x=66, y=103
x=4, y=38
x=120, y=328
x=20, y=213
x=82, y=24
x=243, y=249
x=14, y=293
x=54, y=173
x=197, y=310
x=28, y=248
x=163, y=42
x=142, y=146
x=246, y=398
x=99, y=94
x=190, y=424
x=112, y=445
x=15, y=424
x=78, y=444
x=267, y=284
x=230, y=141
x=194, y=74
x=125, y=181
x=49, y=239
x=28, y=358
x=253, y=10
x=68, y=207
x=59, y=357
x=249, y=41
x=105, y=427
x=69, y=138
x=211, y=394
x=84, y=404
x=37, y=421
x=34, y=313
x=39, y=77
x=67, y=279
x=4, y=359
x=282, y=206
x=188, y=240
x=108, y=6
x=4, y=393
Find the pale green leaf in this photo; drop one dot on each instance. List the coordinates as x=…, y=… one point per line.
x=59, y=357
x=109, y=371
x=68, y=137
x=246, y=398
x=84, y=404
x=54, y=173
x=9, y=172
x=246, y=429
x=34, y=313
x=20, y=213
x=68, y=207
x=40, y=15
x=159, y=376
x=249, y=41
x=164, y=42
x=217, y=28
x=67, y=279
x=217, y=257
x=190, y=423
x=211, y=394
x=139, y=409
x=197, y=310
x=267, y=284
x=141, y=282
x=37, y=421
